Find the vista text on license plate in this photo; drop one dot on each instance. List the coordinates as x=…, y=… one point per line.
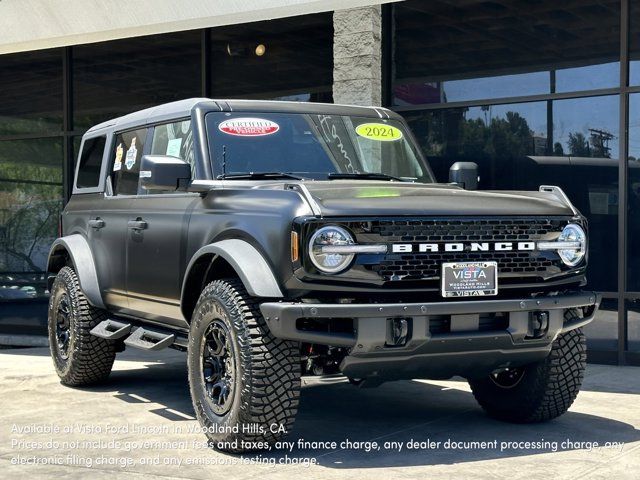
x=469, y=279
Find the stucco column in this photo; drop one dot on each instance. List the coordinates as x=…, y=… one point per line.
x=357, y=76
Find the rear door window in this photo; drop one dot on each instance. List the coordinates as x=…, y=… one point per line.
x=126, y=157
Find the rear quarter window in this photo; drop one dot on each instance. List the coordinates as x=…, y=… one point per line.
x=90, y=162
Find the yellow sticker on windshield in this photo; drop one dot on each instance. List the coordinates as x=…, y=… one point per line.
x=379, y=131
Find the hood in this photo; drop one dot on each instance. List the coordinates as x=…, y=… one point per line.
x=364, y=198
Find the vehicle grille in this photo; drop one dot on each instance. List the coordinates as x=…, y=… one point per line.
x=416, y=266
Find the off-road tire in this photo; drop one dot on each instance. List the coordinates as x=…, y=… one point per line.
x=266, y=371
x=546, y=389
x=87, y=359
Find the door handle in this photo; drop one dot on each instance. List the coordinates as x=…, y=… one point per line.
x=137, y=224
x=96, y=223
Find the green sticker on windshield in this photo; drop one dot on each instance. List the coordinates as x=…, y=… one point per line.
x=379, y=131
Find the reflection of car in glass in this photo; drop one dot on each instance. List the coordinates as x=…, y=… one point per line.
x=592, y=185
x=14, y=293
x=272, y=240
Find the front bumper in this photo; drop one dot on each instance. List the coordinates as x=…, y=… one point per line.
x=464, y=348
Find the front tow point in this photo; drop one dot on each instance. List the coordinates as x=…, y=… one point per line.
x=538, y=324
x=397, y=331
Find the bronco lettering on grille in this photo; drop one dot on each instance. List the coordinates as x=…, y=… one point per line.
x=462, y=247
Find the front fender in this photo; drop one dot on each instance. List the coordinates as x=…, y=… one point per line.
x=76, y=248
x=252, y=268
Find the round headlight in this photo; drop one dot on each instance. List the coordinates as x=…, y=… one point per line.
x=328, y=262
x=575, y=234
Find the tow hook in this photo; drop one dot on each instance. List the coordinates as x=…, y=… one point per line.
x=538, y=324
x=397, y=332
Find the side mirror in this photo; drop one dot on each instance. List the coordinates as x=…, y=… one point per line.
x=464, y=174
x=162, y=172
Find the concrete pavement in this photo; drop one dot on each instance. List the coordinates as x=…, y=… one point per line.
x=140, y=425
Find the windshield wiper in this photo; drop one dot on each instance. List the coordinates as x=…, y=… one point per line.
x=366, y=176
x=258, y=176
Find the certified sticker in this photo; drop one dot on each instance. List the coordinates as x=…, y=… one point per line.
x=379, y=131
x=248, y=127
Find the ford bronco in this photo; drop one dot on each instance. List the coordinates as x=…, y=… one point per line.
x=273, y=240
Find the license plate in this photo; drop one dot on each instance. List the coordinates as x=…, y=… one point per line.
x=469, y=279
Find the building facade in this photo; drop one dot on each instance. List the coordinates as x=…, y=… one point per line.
x=535, y=92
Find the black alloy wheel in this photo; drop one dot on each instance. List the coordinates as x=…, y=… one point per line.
x=218, y=367
x=62, y=319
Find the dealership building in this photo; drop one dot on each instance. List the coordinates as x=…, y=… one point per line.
x=535, y=92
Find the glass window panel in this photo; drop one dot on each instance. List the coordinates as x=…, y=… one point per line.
x=176, y=140
x=445, y=52
x=591, y=77
x=34, y=160
x=77, y=141
x=602, y=332
x=516, y=149
x=496, y=137
x=31, y=92
x=633, y=325
x=91, y=162
x=30, y=204
x=634, y=67
x=285, y=59
x=502, y=86
x=633, y=198
x=29, y=217
x=122, y=76
x=23, y=286
x=126, y=159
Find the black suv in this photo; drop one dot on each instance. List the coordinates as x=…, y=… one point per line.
x=272, y=240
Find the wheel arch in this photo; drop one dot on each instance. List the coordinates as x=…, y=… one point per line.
x=227, y=258
x=74, y=249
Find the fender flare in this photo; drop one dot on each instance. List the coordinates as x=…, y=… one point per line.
x=252, y=268
x=78, y=250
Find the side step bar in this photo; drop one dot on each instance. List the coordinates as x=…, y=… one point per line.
x=142, y=338
x=111, y=330
x=149, y=340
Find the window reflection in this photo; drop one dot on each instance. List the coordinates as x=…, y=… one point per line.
x=633, y=198
x=634, y=44
x=516, y=148
x=31, y=91
x=283, y=59
x=30, y=205
x=633, y=325
x=416, y=93
x=591, y=77
x=602, y=332
x=445, y=52
x=115, y=78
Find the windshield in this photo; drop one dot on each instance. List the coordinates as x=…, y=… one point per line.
x=312, y=146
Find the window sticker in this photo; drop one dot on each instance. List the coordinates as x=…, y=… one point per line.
x=173, y=147
x=248, y=127
x=132, y=153
x=117, y=165
x=379, y=132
